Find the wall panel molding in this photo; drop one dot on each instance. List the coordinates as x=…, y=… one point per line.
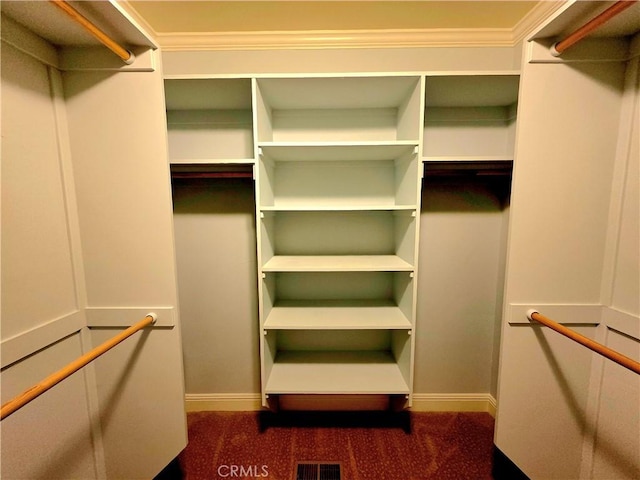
x=24, y=344
x=107, y=317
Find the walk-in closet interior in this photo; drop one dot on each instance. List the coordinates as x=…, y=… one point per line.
x=320, y=228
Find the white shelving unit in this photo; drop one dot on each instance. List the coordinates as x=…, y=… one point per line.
x=338, y=194
x=338, y=166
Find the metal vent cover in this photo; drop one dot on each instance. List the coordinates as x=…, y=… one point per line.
x=318, y=471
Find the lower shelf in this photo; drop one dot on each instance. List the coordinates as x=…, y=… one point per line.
x=336, y=314
x=335, y=372
x=337, y=263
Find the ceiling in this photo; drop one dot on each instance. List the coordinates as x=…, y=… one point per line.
x=330, y=23
x=251, y=16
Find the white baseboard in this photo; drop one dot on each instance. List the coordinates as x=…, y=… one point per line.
x=422, y=402
x=454, y=402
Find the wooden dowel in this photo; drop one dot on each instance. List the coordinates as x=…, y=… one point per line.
x=25, y=397
x=573, y=38
x=107, y=41
x=587, y=342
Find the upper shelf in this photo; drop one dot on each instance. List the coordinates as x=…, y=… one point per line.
x=567, y=20
x=336, y=92
x=52, y=24
x=332, y=151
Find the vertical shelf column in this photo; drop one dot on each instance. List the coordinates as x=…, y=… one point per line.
x=338, y=182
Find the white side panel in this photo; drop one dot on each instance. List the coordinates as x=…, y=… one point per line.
x=48, y=438
x=568, y=124
x=543, y=392
x=117, y=130
x=141, y=402
x=118, y=136
x=626, y=280
x=565, y=156
x=37, y=273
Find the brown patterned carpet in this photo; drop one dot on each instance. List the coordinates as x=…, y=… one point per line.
x=415, y=446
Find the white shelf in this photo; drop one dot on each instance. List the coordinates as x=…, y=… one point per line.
x=468, y=158
x=353, y=372
x=330, y=93
x=336, y=314
x=337, y=151
x=336, y=263
x=340, y=208
x=212, y=161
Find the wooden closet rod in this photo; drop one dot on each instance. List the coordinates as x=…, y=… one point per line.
x=55, y=378
x=585, y=341
x=126, y=56
x=559, y=47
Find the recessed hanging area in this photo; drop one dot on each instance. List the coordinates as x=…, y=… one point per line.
x=337, y=221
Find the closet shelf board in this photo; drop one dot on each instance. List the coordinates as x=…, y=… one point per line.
x=468, y=158
x=336, y=151
x=212, y=161
x=337, y=263
x=339, y=208
x=336, y=315
x=337, y=372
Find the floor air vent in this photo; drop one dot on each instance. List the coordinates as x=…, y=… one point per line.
x=318, y=471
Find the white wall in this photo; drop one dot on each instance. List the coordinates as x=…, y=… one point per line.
x=248, y=62
x=459, y=284
x=216, y=256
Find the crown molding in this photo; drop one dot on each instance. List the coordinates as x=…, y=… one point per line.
x=335, y=39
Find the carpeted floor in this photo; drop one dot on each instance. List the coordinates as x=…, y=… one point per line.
x=415, y=446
